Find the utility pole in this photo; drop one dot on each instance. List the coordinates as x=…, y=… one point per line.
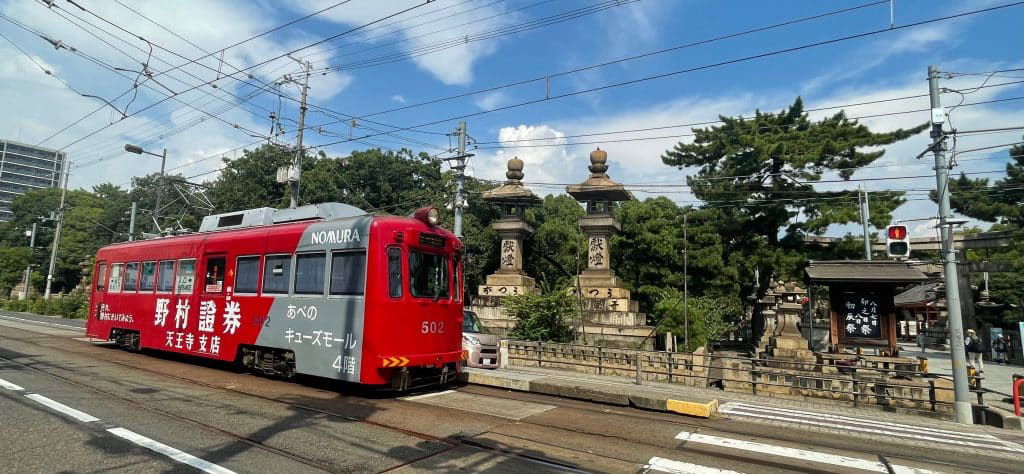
x=160, y=192
x=28, y=268
x=131, y=222
x=460, y=168
x=957, y=351
x=686, y=288
x=865, y=214
x=299, y=152
x=56, y=233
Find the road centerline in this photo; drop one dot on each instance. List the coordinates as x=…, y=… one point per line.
x=60, y=407
x=171, y=452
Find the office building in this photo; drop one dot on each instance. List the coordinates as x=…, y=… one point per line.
x=24, y=168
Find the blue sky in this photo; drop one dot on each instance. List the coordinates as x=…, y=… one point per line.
x=891, y=64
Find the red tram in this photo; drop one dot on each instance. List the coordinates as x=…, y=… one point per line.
x=323, y=290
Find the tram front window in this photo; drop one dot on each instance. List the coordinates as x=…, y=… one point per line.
x=428, y=275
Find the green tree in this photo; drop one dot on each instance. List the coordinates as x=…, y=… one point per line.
x=999, y=201
x=557, y=250
x=709, y=317
x=542, y=317
x=251, y=180
x=760, y=173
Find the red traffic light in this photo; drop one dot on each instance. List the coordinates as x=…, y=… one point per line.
x=897, y=232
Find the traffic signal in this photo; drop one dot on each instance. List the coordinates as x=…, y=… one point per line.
x=897, y=241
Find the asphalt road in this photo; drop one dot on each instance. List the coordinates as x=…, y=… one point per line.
x=68, y=404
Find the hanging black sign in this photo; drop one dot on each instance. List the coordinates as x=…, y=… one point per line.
x=859, y=316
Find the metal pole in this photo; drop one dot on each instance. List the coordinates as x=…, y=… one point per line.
x=160, y=192
x=460, y=166
x=956, y=329
x=299, y=152
x=56, y=233
x=864, y=216
x=131, y=222
x=28, y=268
x=686, y=288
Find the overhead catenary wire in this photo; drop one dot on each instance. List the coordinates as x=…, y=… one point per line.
x=154, y=104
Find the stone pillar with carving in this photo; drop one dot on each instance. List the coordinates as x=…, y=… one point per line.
x=606, y=301
x=513, y=198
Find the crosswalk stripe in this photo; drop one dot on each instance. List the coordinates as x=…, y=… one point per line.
x=818, y=416
x=985, y=441
x=657, y=464
x=792, y=453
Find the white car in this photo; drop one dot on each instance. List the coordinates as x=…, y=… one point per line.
x=481, y=347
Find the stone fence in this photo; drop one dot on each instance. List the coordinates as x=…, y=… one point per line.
x=860, y=382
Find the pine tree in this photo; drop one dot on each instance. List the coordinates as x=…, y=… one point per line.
x=1002, y=202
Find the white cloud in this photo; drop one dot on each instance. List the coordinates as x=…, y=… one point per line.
x=429, y=29
x=491, y=100
x=398, y=98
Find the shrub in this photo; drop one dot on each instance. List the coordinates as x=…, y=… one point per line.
x=73, y=305
x=542, y=317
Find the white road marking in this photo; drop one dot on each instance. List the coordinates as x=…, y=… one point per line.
x=734, y=405
x=980, y=440
x=42, y=322
x=9, y=386
x=427, y=395
x=173, y=453
x=55, y=405
x=793, y=453
x=657, y=464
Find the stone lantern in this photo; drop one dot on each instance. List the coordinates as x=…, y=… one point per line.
x=513, y=199
x=605, y=299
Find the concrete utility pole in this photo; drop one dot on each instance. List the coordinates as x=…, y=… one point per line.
x=131, y=222
x=957, y=351
x=160, y=192
x=28, y=268
x=460, y=168
x=865, y=214
x=299, y=152
x=56, y=233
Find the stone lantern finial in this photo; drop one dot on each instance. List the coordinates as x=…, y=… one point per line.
x=598, y=162
x=515, y=171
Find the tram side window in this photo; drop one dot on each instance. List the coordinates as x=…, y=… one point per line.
x=247, y=274
x=428, y=275
x=148, y=280
x=165, y=276
x=457, y=274
x=131, y=276
x=101, y=277
x=115, y=277
x=276, y=271
x=214, y=280
x=348, y=273
x=186, y=276
x=309, y=273
x=395, y=272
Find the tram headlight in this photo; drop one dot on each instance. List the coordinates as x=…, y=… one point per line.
x=429, y=215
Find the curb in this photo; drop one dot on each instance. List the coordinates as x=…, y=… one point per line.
x=619, y=395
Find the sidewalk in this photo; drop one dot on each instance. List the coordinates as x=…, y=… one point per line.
x=656, y=395
x=997, y=377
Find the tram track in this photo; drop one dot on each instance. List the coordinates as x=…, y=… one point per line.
x=449, y=442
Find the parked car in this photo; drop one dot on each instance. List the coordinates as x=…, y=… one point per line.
x=482, y=348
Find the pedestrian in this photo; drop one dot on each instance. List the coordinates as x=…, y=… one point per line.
x=922, y=342
x=999, y=346
x=974, y=349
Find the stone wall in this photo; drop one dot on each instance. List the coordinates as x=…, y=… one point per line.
x=676, y=367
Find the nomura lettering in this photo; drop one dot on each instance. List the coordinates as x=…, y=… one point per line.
x=336, y=236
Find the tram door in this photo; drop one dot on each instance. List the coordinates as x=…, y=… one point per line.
x=212, y=308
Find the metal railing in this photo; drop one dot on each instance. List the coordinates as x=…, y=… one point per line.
x=865, y=382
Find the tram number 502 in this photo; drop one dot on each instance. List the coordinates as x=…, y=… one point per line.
x=432, y=327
